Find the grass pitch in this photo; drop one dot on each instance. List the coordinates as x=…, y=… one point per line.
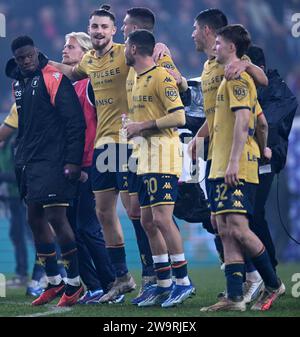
x=209, y=282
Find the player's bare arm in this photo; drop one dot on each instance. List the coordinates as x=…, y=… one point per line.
x=261, y=133
x=68, y=71
x=234, y=70
x=240, y=135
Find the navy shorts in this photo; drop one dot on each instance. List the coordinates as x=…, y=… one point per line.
x=157, y=189
x=44, y=183
x=238, y=199
x=110, y=168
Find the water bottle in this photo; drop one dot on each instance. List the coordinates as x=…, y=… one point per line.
x=125, y=121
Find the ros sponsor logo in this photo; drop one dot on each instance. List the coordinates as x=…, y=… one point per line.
x=2, y=286
x=296, y=287
x=2, y=25
x=296, y=26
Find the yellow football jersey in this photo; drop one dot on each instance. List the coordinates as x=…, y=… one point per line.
x=108, y=76
x=165, y=62
x=154, y=95
x=12, y=118
x=231, y=96
x=211, y=78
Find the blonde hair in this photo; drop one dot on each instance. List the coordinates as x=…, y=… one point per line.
x=82, y=38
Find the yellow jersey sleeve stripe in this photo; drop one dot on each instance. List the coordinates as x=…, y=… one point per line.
x=175, y=109
x=235, y=108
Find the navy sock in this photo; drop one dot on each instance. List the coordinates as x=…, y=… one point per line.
x=118, y=259
x=179, y=269
x=61, y=268
x=144, y=248
x=234, y=277
x=163, y=270
x=46, y=255
x=69, y=258
x=263, y=265
x=219, y=247
x=38, y=270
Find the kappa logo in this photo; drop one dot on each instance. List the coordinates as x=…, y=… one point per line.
x=167, y=196
x=167, y=80
x=167, y=186
x=147, y=81
x=65, y=263
x=238, y=193
x=171, y=93
x=240, y=92
x=152, y=198
x=41, y=261
x=238, y=204
x=56, y=75
x=220, y=205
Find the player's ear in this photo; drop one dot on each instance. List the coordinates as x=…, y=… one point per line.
x=114, y=30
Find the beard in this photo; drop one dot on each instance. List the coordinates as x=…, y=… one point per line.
x=99, y=44
x=130, y=61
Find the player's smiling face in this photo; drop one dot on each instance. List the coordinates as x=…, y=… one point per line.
x=222, y=49
x=101, y=30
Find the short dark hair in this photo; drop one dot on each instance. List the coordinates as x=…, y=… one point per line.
x=104, y=10
x=21, y=41
x=214, y=18
x=238, y=35
x=144, y=41
x=256, y=55
x=143, y=16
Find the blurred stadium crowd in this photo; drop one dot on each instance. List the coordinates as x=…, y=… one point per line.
x=269, y=22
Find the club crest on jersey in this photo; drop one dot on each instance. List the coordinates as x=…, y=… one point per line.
x=171, y=93
x=35, y=82
x=167, y=65
x=240, y=92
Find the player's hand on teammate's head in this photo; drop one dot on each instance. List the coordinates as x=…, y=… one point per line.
x=160, y=50
x=234, y=69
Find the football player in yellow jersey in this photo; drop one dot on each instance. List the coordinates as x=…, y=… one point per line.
x=234, y=176
x=206, y=24
x=106, y=67
x=158, y=110
x=143, y=18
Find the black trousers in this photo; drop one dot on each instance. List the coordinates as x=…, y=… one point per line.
x=259, y=224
